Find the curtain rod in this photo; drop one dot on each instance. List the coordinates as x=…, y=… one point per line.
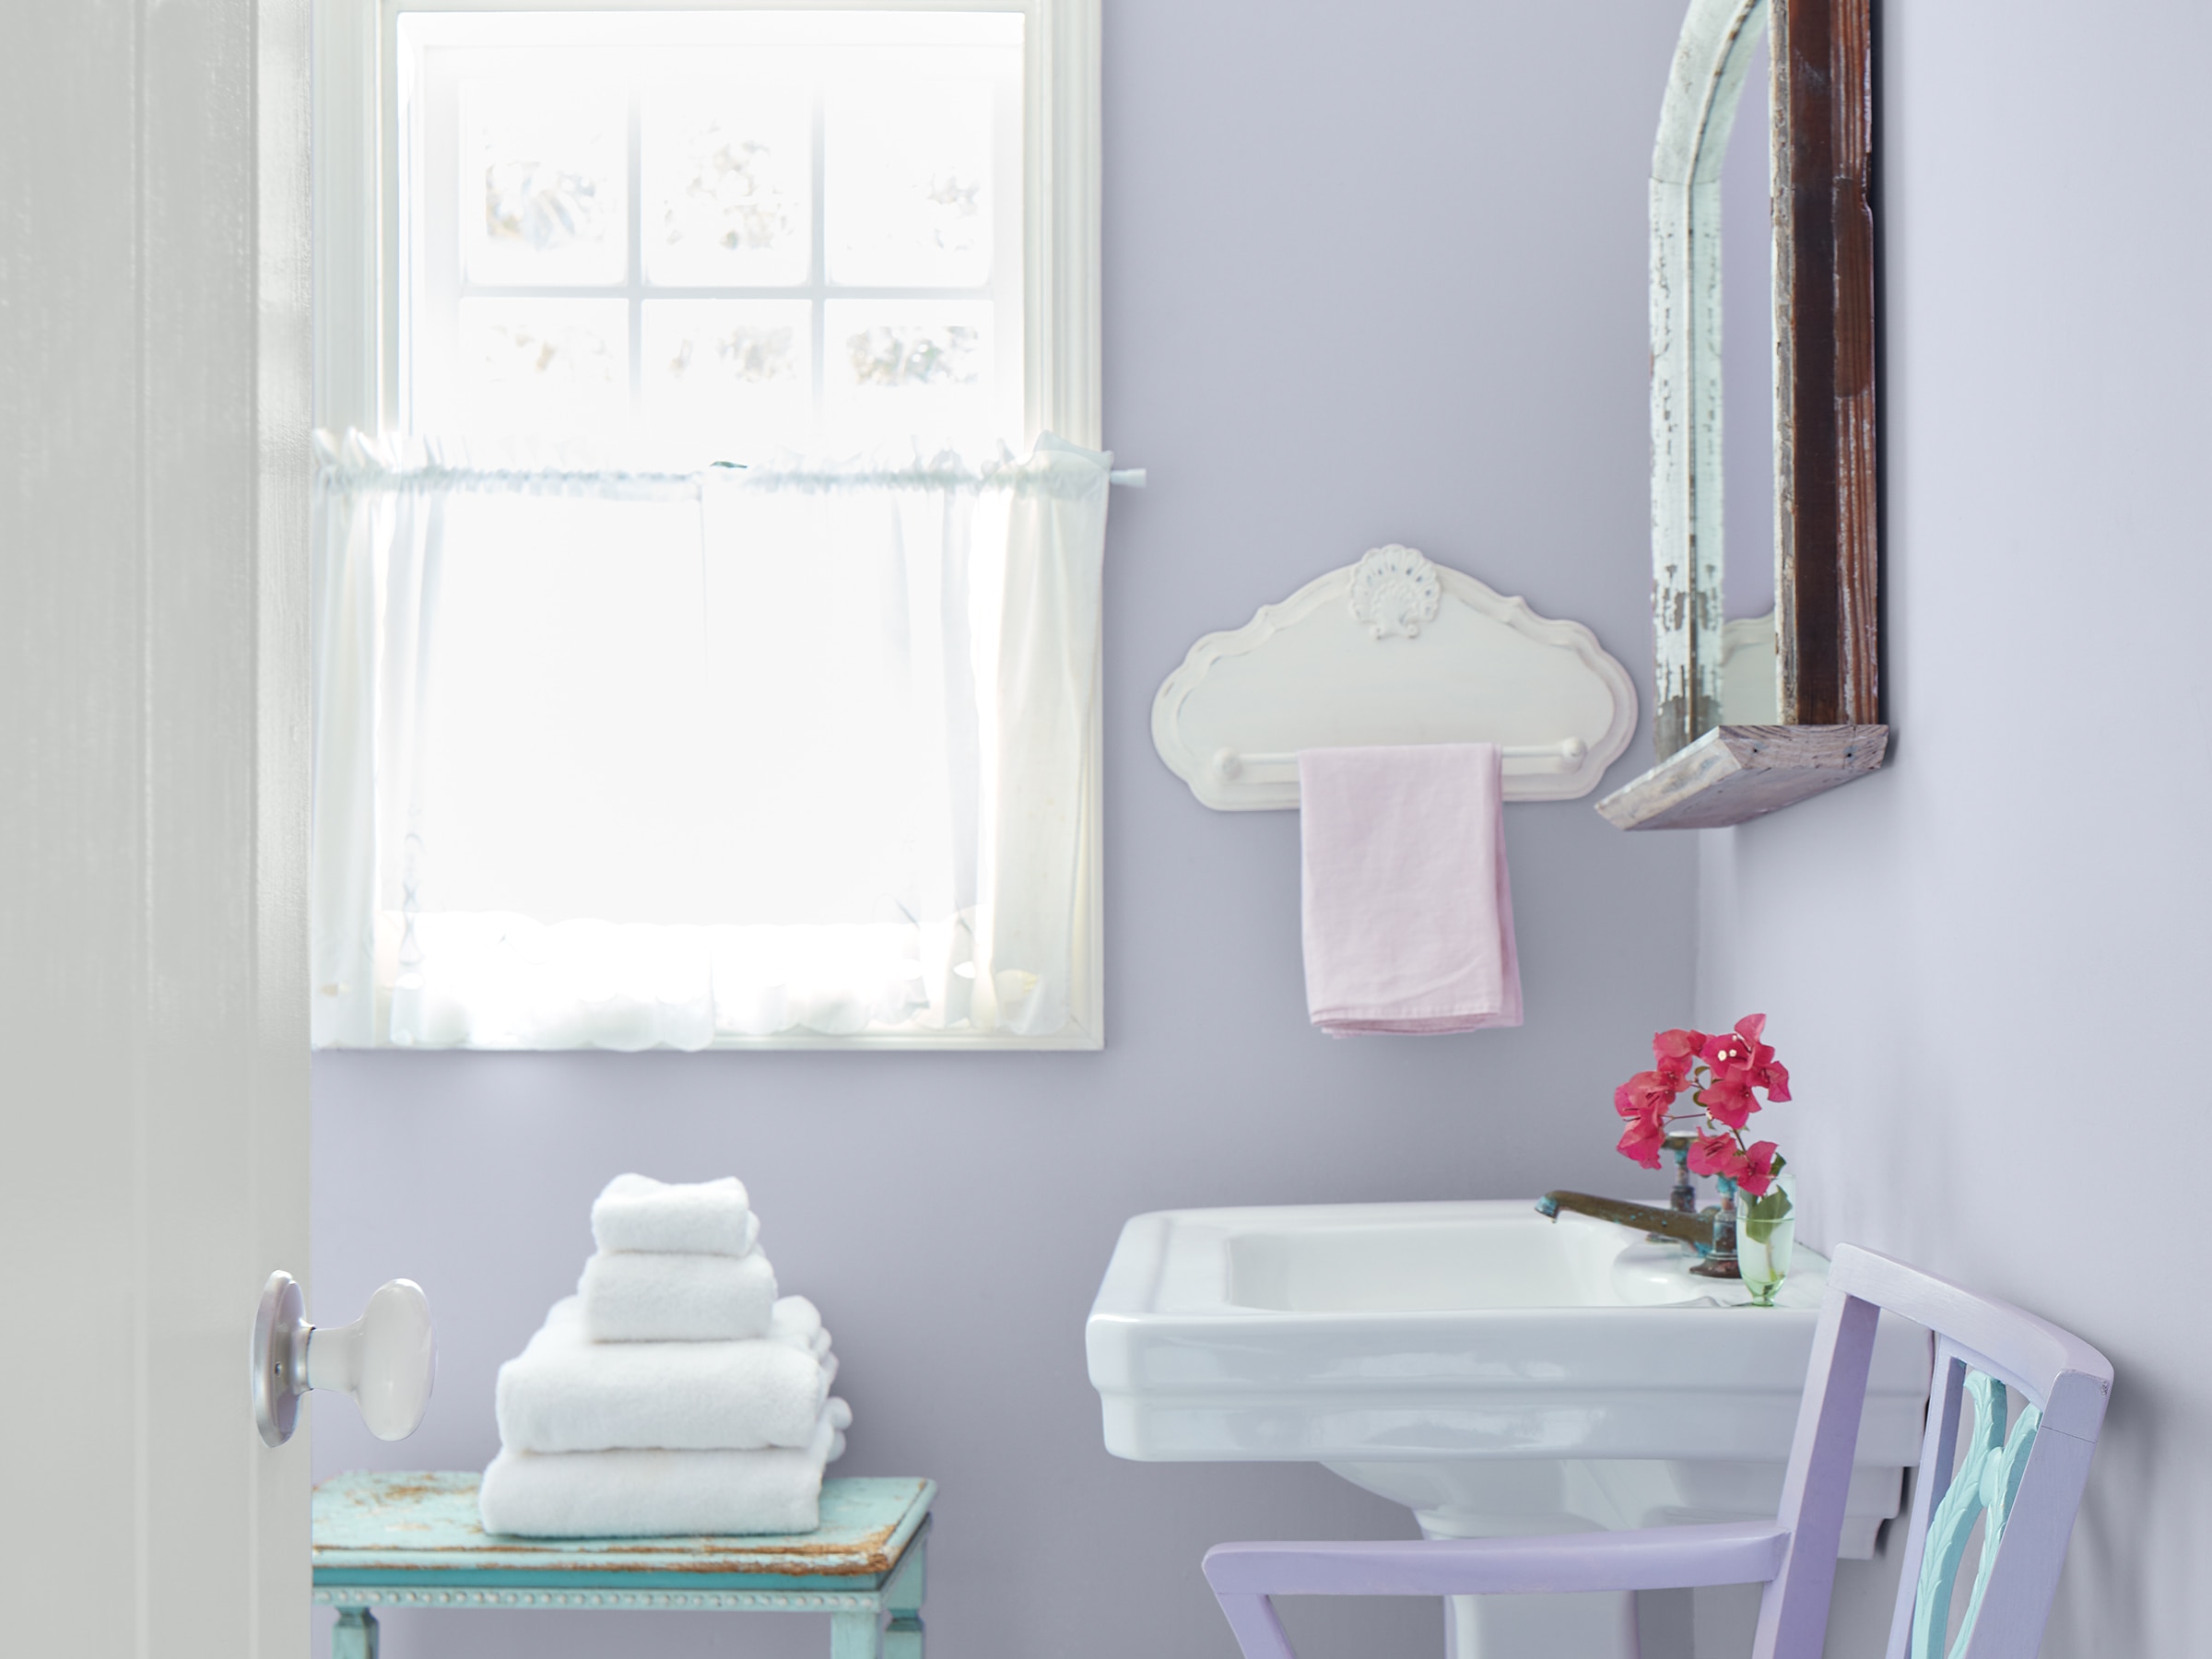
x=1126, y=477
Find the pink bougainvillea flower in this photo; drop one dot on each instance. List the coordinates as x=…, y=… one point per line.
x=1741, y=1066
x=1737, y=1055
x=1758, y=1173
x=1729, y=1101
x=1644, y=1138
x=1715, y=1155
x=1675, y=1052
x=1647, y=1092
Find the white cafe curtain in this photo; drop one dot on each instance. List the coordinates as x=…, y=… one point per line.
x=616, y=759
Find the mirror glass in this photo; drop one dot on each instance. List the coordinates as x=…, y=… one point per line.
x=1748, y=690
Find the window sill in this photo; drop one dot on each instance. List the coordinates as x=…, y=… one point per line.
x=882, y=1042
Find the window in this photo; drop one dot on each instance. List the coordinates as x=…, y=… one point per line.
x=699, y=661
x=717, y=234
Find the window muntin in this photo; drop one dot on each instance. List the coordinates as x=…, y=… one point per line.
x=714, y=235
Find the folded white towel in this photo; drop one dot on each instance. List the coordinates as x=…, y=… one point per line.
x=633, y=1296
x=706, y=1217
x=640, y=1494
x=566, y=1393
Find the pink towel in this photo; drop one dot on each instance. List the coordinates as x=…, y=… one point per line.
x=1409, y=915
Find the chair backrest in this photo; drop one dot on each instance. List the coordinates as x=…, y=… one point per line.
x=2023, y=1486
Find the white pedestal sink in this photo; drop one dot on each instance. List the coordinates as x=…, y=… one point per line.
x=1495, y=1372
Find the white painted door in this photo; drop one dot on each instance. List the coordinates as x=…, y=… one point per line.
x=153, y=818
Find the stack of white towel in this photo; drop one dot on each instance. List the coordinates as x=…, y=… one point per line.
x=674, y=1393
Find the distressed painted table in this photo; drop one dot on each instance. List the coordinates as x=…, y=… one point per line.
x=412, y=1540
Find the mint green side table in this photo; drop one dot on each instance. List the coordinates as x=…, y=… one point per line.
x=412, y=1540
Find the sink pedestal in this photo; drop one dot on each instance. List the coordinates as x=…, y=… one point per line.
x=1601, y=1626
x=1496, y=1498
x=1509, y=1498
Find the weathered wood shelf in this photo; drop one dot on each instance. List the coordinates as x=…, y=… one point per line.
x=1736, y=772
x=413, y=1539
x=391, y=1529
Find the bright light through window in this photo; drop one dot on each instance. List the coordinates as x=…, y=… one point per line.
x=618, y=749
x=713, y=236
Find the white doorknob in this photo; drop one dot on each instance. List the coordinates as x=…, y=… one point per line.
x=386, y=1360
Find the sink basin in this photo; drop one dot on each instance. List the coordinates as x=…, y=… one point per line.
x=1365, y=1259
x=1469, y=1330
x=1494, y=1370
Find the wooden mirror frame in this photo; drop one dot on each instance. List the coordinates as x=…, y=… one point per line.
x=1826, y=581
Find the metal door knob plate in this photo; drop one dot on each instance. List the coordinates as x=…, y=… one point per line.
x=387, y=1359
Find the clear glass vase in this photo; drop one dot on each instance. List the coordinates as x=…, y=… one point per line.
x=1766, y=1233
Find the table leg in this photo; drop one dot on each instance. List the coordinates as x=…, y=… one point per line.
x=355, y=1636
x=856, y=1635
x=903, y=1597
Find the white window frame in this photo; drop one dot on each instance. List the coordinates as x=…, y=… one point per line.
x=357, y=290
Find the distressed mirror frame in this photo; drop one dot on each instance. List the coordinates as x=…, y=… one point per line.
x=1827, y=557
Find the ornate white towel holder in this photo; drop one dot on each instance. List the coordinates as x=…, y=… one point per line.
x=1392, y=649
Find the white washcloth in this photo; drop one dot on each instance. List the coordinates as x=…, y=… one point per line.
x=707, y=1218
x=641, y=1494
x=799, y=1323
x=1409, y=909
x=566, y=1393
x=633, y=1296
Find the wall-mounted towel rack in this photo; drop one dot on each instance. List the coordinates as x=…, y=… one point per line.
x=1515, y=757
x=1392, y=649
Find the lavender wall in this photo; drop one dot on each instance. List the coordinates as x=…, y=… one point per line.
x=1372, y=273
x=1987, y=964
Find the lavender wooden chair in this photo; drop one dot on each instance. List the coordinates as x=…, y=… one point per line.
x=2024, y=1487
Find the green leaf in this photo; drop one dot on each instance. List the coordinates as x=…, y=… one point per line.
x=1762, y=1214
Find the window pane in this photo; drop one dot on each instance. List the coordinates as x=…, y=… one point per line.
x=908, y=184
x=543, y=175
x=726, y=186
x=543, y=365
x=895, y=368
x=727, y=378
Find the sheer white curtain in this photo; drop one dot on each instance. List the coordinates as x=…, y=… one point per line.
x=609, y=760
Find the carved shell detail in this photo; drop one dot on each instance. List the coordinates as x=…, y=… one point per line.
x=1394, y=590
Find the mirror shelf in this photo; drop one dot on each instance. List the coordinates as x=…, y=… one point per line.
x=1735, y=773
